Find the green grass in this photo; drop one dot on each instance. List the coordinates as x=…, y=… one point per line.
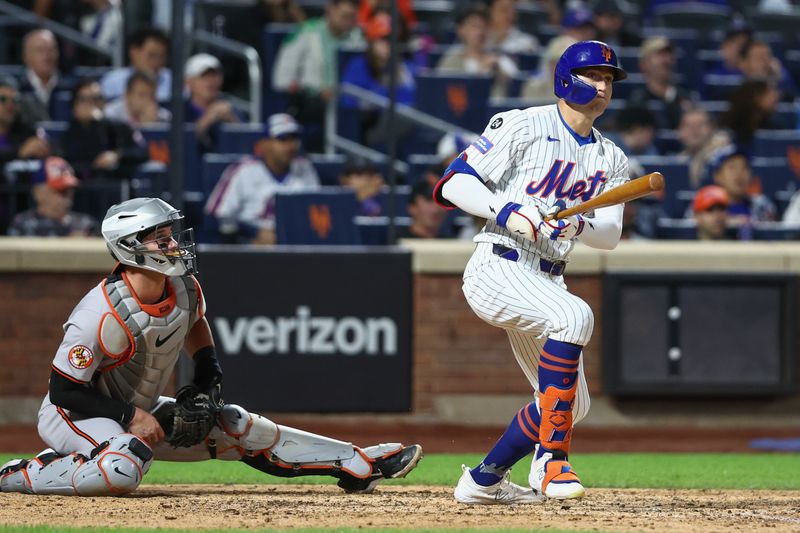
x=632, y=470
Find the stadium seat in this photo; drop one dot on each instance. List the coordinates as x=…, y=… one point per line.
x=676, y=179
x=419, y=164
x=775, y=231
x=785, y=23
x=681, y=229
x=692, y=15
x=62, y=106
x=239, y=138
x=374, y=231
x=402, y=193
x=329, y=167
x=719, y=86
x=320, y=217
x=775, y=175
x=458, y=99
x=212, y=168
x=775, y=143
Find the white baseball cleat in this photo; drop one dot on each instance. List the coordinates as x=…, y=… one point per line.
x=554, y=477
x=504, y=492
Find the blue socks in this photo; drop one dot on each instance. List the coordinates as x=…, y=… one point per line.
x=518, y=441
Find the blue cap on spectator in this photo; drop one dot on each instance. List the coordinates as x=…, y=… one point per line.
x=575, y=18
x=282, y=125
x=719, y=157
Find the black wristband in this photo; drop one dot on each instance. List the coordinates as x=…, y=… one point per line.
x=127, y=418
x=207, y=371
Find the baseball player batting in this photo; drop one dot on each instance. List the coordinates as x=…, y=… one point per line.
x=529, y=164
x=104, y=417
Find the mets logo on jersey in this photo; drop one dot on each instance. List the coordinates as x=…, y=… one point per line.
x=606, y=51
x=80, y=357
x=556, y=179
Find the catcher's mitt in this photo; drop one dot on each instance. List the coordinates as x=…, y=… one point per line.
x=194, y=414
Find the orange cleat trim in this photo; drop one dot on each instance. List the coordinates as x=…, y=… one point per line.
x=555, y=470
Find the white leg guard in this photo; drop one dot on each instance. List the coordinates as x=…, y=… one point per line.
x=288, y=452
x=115, y=467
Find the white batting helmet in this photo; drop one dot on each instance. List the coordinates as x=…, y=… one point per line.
x=127, y=224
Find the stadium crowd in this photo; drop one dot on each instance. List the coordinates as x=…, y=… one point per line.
x=712, y=102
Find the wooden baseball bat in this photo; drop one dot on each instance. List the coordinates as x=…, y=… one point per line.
x=632, y=190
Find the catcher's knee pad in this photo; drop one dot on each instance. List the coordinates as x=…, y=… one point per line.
x=253, y=433
x=115, y=467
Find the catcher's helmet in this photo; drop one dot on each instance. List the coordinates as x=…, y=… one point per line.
x=581, y=55
x=127, y=225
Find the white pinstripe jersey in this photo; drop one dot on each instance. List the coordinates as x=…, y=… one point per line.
x=532, y=158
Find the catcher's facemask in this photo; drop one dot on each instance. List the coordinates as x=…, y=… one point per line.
x=166, y=245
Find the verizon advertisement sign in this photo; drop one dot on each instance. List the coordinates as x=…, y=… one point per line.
x=311, y=330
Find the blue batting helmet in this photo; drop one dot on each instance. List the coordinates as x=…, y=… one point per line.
x=583, y=54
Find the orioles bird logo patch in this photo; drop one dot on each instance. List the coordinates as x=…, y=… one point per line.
x=606, y=51
x=80, y=357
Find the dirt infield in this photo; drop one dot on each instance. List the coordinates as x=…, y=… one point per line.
x=288, y=506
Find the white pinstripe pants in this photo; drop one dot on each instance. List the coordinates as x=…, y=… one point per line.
x=531, y=306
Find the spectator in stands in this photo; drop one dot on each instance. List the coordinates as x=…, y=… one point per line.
x=630, y=227
x=609, y=19
x=730, y=48
x=53, y=191
x=204, y=105
x=428, y=220
x=366, y=181
x=577, y=23
x=710, y=211
x=97, y=146
x=730, y=169
x=752, y=107
x=700, y=139
x=103, y=24
x=757, y=62
x=472, y=56
x=540, y=87
x=139, y=106
x=405, y=8
x=19, y=138
x=371, y=72
x=657, y=61
x=243, y=201
x=280, y=11
x=307, y=63
x=637, y=131
x=42, y=78
x=147, y=51
x=504, y=35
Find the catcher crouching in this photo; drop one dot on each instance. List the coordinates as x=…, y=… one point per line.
x=104, y=418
